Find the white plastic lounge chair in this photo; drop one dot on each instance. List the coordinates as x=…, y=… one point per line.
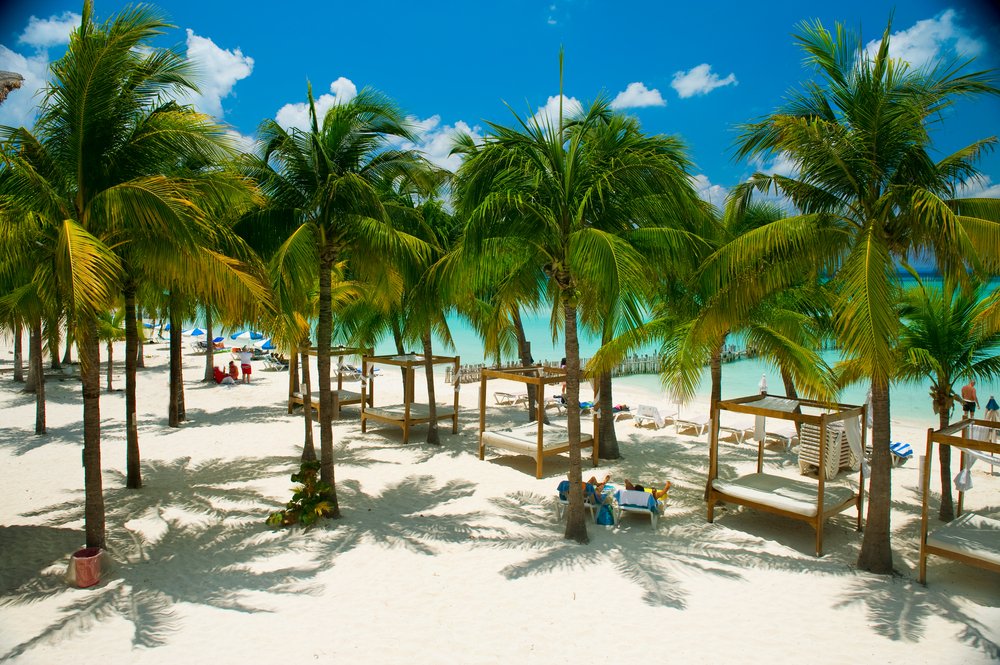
x=638, y=502
x=698, y=423
x=738, y=424
x=510, y=399
x=273, y=364
x=784, y=431
x=838, y=452
x=645, y=413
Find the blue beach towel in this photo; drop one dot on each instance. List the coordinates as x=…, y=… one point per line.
x=900, y=449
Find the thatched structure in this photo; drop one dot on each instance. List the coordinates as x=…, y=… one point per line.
x=9, y=81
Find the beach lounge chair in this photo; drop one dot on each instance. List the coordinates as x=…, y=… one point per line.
x=737, y=424
x=273, y=364
x=645, y=413
x=638, y=502
x=900, y=453
x=698, y=423
x=510, y=399
x=591, y=499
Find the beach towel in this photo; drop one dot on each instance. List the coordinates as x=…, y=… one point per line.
x=636, y=498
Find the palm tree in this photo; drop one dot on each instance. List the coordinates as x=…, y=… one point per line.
x=323, y=209
x=551, y=194
x=109, y=331
x=945, y=337
x=96, y=175
x=871, y=196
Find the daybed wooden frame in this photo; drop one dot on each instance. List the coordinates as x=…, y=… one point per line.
x=842, y=412
x=530, y=377
x=955, y=434
x=409, y=363
x=296, y=398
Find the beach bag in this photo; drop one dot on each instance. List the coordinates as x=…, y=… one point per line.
x=604, y=515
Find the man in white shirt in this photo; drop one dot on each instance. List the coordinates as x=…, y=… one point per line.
x=245, y=357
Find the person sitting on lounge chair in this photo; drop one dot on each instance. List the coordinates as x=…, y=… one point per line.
x=598, y=486
x=657, y=494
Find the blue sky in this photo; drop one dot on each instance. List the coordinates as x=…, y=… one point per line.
x=695, y=69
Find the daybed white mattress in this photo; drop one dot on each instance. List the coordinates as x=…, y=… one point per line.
x=524, y=438
x=398, y=411
x=795, y=496
x=971, y=534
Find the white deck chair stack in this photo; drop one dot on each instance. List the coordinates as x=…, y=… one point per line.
x=838, y=452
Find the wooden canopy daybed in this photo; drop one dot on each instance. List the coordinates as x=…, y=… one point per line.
x=809, y=500
x=970, y=538
x=409, y=413
x=536, y=440
x=341, y=396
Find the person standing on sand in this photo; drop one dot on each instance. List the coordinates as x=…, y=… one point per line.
x=969, y=400
x=245, y=357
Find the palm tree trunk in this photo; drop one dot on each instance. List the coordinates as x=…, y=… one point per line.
x=35, y=368
x=947, y=510
x=90, y=374
x=139, y=358
x=133, y=354
x=210, y=351
x=111, y=351
x=524, y=351
x=293, y=367
x=67, y=358
x=174, y=414
x=308, y=447
x=876, y=548
x=53, y=343
x=397, y=338
x=608, y=437
x=39, y=372
x=432, y=426
x=324, y=330
x=790, y=391
x=18, y=354
x=576, y=525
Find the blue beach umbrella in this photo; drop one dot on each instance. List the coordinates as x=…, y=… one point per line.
x=219, y=339
x=147, y=325
x=196, y=332
x=268, y=345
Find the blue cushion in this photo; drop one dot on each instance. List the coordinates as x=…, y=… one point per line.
x=901, y=449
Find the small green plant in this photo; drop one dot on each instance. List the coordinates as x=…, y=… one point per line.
x=307, y=504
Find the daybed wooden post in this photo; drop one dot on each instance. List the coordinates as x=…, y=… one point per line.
x=482, y=413
x=407, y=399
x=539, y=451
x=925, y=479
x=961, y=465
x=364, y=370
x=458, y=387
x=820, y=505
x=597, y=434
x=713, y=462
x=340, y=385
x=760, y=449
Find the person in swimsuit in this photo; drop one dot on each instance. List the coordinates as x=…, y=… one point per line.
x=657, y=494
x=969, y=400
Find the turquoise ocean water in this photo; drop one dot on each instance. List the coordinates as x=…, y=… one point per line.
x=909, y=402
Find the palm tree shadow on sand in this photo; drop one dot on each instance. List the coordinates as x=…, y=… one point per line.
x=213, y=560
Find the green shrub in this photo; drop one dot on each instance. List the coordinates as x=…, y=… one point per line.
x=308, y=503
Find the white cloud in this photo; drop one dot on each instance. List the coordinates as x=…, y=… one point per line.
x=51, y=31
x=699, y=80
x=637, y=95
x=21, y=106
x=297, y=114
x=714, y=194
x=435, y=140
x=549, y=114
x=780, y=164
x=981, y=188
x=928, y=40
x=242, y=142
x=218, y=72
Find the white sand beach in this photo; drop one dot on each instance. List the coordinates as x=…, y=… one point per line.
x=439, y=557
